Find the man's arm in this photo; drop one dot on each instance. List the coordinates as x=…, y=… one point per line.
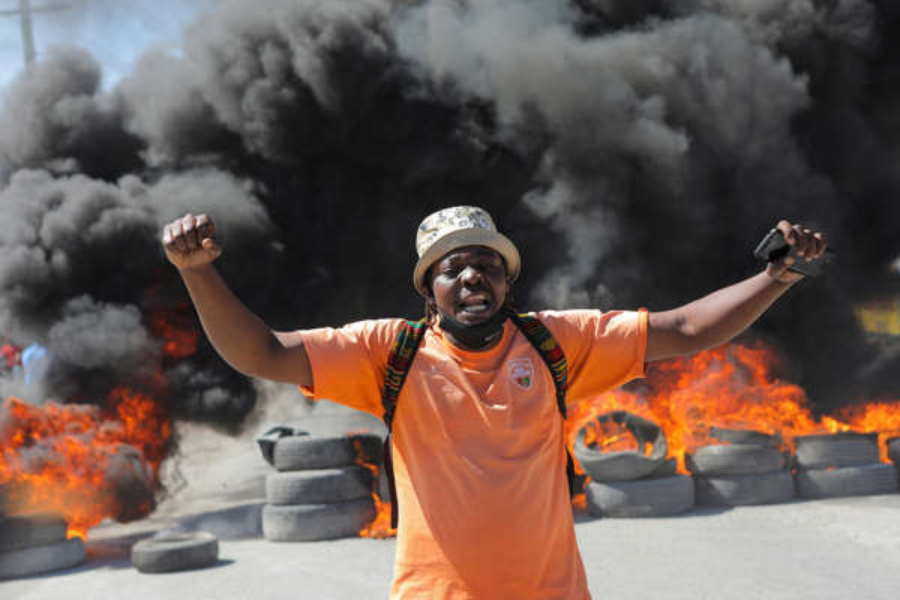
x=239, y=336
x=720, y=316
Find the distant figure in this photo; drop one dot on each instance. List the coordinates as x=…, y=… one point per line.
x=474, y=394
x=11, y=356
x=34, y=364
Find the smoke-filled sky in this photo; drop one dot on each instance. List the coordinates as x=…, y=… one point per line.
x=116, y=32
x=635, y=151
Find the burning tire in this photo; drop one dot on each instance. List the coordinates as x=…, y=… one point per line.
x=319, y=486
x=876, y=478
x=737, y=459
x=4, y=499
x=368, y=447
x=296, y=453
x=175, y=552
x=744, y=490
x=744, y=436
x=41, y=559
x=666, y=468
x=838, y=450
x=659, y=497
x=313, y=522
x=616, y=466
x=893, y=445
x=27, y=531
x=625, y=465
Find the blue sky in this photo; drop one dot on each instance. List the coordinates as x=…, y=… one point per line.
x=116, y=32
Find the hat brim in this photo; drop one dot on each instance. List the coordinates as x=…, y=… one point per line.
x=460, y=239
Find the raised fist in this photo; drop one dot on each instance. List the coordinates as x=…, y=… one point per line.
x=190, y=242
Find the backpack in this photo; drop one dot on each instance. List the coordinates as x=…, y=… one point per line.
x=404, y=351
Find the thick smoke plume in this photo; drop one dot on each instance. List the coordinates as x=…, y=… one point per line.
x=635, y=151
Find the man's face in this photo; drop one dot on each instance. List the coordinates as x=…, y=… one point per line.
x=469, y=284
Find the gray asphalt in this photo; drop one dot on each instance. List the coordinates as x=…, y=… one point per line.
x=824, y=549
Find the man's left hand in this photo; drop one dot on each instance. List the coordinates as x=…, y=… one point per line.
x=809, y=245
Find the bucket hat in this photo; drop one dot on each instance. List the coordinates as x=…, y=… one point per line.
x=457, y=227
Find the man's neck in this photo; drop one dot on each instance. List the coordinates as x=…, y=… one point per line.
x=475, y=338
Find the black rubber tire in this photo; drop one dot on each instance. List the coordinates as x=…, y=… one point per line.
x=876, y=478
x=657, y=497
x=615, y=466
x=41, y=559
x=267, y=439
x=320, y=486
x=27, y=531
x=744, y=436
x=313, y=522
x=666, y=468
x=5, y=500
x=175, y=552
x=297, y=453
x=734, y=459
x=893, y=445
x=744, y=490
x=847, y=449
x=626, y=465
x=368, y=447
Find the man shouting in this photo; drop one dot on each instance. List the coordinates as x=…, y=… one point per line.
x=475, y=394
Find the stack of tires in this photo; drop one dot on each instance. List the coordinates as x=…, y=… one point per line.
x=747, y=469
x=841, y=464
x=320, y=490
x=639, y=483
x=36, y=543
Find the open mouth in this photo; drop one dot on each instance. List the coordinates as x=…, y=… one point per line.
x=476, y=304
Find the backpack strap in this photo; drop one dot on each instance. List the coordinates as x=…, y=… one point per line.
x=553, y=356
x=398, y=365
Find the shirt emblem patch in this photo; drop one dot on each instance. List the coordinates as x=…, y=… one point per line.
x=521, y=372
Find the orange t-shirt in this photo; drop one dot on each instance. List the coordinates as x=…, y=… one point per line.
x=479, y=449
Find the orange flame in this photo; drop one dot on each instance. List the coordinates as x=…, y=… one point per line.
x=609, y=436
x=882, y=417
x=81, y=461
x=380, y=527
x=179, y=335
x=86, y=462
x=579, y=501
x=731, y=386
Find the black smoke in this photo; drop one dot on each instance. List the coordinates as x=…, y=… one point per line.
x=636, y=151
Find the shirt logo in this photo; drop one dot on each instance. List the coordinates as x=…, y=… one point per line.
x=521, y=372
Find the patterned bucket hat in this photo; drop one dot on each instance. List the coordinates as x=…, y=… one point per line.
x=457, y=227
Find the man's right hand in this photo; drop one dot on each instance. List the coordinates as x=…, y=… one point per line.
x=190, y=242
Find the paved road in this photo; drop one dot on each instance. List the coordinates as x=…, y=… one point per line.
x=824, y=550
x=827, y=549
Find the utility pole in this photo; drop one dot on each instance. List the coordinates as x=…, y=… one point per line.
x=24, y=12
x=27, y=32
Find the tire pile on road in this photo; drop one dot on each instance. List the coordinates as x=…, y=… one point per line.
x=748, y=469
x=842, y=464
x=320, y=490
x=36, y=543
x=633, y=483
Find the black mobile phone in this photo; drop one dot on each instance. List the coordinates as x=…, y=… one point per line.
x=774, y=247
